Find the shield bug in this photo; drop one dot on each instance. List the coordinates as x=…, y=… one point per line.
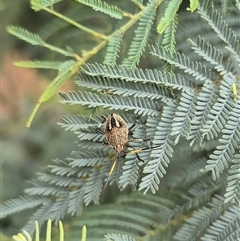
x=116, y=133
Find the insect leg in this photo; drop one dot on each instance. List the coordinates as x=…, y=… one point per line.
x=131, y=128
x=135, y=151
x=111, y=171
x=138, y=157
x=98, y=129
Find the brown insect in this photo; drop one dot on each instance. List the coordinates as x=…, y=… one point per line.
x=116, y=133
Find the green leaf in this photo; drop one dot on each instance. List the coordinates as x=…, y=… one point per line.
x=53, y=88
x=38, y=64
x=113, y=49
x=103, y=7
x=193, y=5
x=118, y=237
x=19, y=204
x=140, y=106
x=169, y=15
x=141, y=36
x=233, y=188
x=41, y=4
x=25, y=35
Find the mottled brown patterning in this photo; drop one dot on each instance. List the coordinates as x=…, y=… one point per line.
x=116, y=132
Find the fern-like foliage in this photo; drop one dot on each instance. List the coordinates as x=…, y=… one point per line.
x=39, y=64
x=169, y=15
x=25, y=35
x=145, y=15
x=98, y=5
x=188, y=119
x=141, y=35
x=169, y=42
x=41, y=4
x=139, y=75
x=216, y=22
x=225, y=225
x=113, y=49
x=232, y=192
x=161, y=214
x=118, y=236
x=140, y=106
x=210, y=110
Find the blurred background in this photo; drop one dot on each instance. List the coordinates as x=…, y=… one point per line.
x=25, y=150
